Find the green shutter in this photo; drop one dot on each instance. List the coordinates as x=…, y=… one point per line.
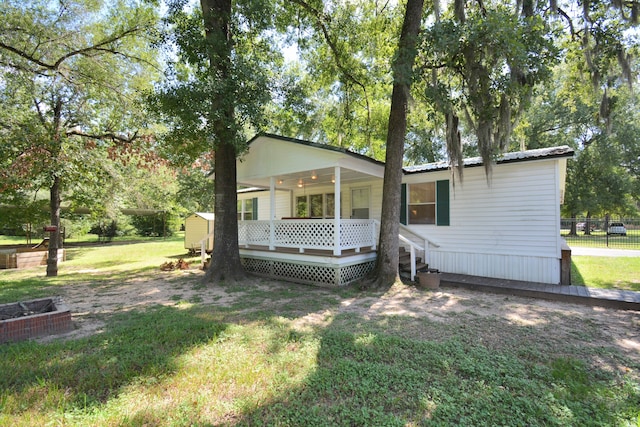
x=403, y=204
x=442, y=202
x=254, y=208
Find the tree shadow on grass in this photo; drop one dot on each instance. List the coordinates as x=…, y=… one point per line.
x=368, y=374
x=88, y=372
x=354, y=367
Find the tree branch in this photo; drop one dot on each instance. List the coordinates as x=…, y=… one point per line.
x=84, y=51
x=102, y=136
x=569, y=21
x=321, y=21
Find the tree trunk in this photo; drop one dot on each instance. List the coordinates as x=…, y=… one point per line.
x=386, y=270
x=54, y=205
x=225, y=259
x=587, y=225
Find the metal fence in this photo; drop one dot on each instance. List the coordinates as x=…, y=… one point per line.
x=617, y=233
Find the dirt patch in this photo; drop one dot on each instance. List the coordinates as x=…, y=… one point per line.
x=91, y=305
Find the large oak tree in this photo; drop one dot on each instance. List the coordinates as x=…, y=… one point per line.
x=216, y=88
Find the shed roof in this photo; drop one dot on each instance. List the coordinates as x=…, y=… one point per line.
x=209, y=216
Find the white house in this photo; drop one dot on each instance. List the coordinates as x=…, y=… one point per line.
x=508, y=227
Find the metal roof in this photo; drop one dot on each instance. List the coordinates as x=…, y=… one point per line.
x=518, y=156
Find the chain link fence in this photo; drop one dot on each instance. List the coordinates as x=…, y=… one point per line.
x=617, y=233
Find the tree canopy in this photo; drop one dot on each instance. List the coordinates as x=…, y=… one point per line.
x=71, y=75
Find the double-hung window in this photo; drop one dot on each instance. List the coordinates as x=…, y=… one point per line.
x=425, y=203
x=422, y=203
x=248, y=209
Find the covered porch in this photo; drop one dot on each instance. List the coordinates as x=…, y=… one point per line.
x=316, y=233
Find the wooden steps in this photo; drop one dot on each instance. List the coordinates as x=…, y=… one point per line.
x=405, y=263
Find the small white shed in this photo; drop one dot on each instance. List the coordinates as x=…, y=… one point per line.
x=197, y=226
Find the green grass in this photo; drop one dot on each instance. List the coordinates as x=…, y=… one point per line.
x=13, y=240
x=250, y=362
x=598, y=239
x=93, y=265
x=606, y=272
x=91, y=238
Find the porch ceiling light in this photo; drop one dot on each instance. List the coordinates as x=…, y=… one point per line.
x=280, y=181
x=300, y=183
x=333, y=179
x=313, y=175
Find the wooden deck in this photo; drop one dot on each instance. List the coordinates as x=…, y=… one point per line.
x=312, y=252
x=610, y=298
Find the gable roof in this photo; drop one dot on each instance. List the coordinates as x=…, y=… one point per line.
x=316, y=145
x=518, y=156
x=293, y=162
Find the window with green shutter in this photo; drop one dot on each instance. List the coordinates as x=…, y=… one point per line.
x=425, y=203
x=248, y=209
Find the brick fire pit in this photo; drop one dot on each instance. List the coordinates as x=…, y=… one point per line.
x=29, y=319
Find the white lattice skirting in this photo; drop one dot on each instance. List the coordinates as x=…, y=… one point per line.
x=325, y=275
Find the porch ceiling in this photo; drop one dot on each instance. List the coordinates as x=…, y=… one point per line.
x=305, y=179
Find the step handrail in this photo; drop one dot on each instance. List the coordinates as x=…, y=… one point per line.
x=427, y=243
x=413, y=247
x=426, y=239
x=412, y=252
x=203, y=249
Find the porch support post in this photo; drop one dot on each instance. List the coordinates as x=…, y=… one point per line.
x=272, y=213
x=337, y=210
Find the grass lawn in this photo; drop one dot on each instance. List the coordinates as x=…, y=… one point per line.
x=271, y=353
x=606, y=272
x=598, y=239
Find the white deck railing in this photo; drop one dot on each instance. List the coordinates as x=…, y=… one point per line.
x=319, y=234
x=305, y=234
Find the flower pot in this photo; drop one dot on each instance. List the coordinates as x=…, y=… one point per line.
x=429, y=280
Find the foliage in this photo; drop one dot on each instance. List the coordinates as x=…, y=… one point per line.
x=58, y=63
x=162, y=224
x=191, y=98
x=30, y=216
x=59, y=82
x=602, y=179
x=481, y=68
x=195, y=191
x=341, y=95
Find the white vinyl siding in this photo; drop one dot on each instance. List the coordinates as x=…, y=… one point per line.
x=507, y=227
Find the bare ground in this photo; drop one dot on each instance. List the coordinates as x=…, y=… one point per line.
x=497, y=315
